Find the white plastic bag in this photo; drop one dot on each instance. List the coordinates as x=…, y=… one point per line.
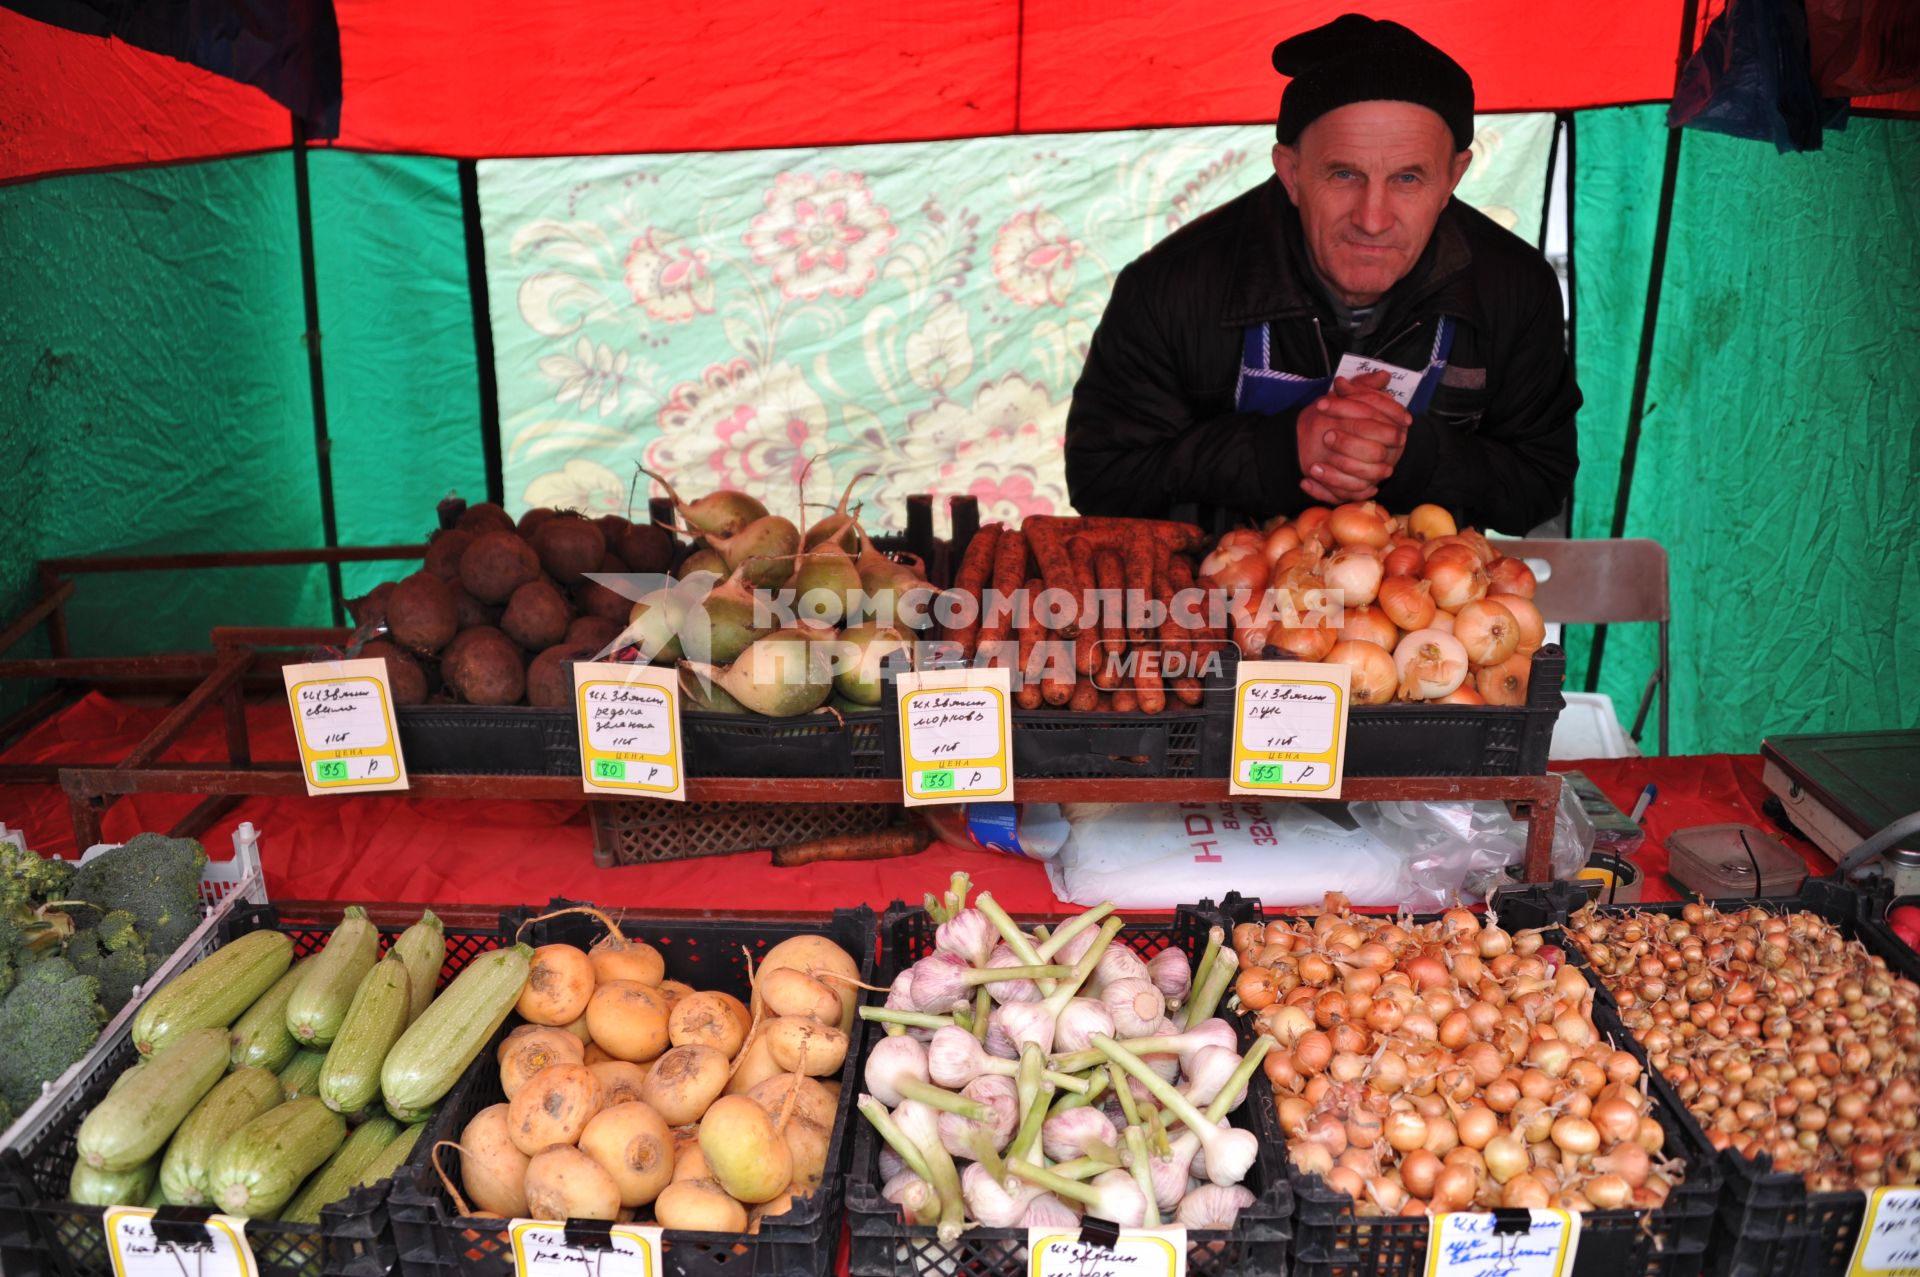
x=1156, y=856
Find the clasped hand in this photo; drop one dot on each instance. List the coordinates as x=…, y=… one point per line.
x=1351, y=439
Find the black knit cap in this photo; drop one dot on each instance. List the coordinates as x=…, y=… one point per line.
x=1355, y=58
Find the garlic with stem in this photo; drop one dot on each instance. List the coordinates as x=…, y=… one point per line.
x=995, y=1094
x=995, y=1203
x=1113, y=1196
x=1048, y=1211
x=1080, y=1020
x=1171, y=974
x=1072, y=927
x=1002, y=958
x=1076, y=1132
x=896, y=1070
x=954, y=1059
x=967, y=935
x=943, y=982
x=1212, y=1207
x=1143, y=1178
x=1230, y=1152
x=1134, y=1006
x=920, y=1123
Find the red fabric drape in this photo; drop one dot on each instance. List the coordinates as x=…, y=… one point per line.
x=72, y=101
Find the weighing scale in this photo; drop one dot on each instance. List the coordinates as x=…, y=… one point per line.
x=1838, y=788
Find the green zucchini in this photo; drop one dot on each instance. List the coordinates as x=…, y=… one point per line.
x=302, y=1075
x=327, y=982
x=392, y=1157
x=260, y=1037
x=139, y=1115
x=240, y=1097
x=257, y=1171
x=350, y=1079
x=91, y=1187
x=214, y=990
x=456, y=1026
x=343, y=1170
x=423, y=947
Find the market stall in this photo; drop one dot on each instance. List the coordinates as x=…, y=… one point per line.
x=703, y=800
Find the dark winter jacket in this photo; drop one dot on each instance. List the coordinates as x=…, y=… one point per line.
x=1153, y=430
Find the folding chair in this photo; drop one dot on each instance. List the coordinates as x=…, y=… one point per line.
x=1603, y=582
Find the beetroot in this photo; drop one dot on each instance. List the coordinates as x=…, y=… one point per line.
x=536, y=616
x=569, y=547
x=595, y=599
x=646, y=547
x=370, y=609
x=472, y=611
x=444, y=551
x=487, y=670
x=595, y=631
x=497, y=564
x=484, y=517
x=421, y=613
x=549, y=681
x=530, y=521
x=404, y=675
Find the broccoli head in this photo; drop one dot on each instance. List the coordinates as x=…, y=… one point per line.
x=152, y=877
x=48, y=1021
x=26, y=879
x=113, y=954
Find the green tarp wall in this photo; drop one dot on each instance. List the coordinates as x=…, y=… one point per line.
x=154, y=396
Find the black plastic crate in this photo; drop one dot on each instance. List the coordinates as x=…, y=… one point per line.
x=488, y=740
x=882, y=1246
x=1461, y=740
x=42, y=1233
x=1330, y=1240
x=1769, y=1224
x=708, y=953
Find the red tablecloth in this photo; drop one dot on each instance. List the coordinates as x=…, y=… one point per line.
x=420, y=850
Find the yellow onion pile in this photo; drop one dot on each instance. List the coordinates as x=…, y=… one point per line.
x=1781, y=1035
x=1429, y=612
x=1446, y=1066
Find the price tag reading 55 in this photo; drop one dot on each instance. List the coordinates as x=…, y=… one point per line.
x=1289, y=729
x=955, y=732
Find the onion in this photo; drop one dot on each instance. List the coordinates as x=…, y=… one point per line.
x=1355, y=571
x=1456, y=576
x=1403, y=560
x=1506, y=1156
x=1363, y=523
x=1442, y=621
x=1511, y=576
x=1420, y=1171
x=1461, y=695
x=1407, y=602
x=1279, y=541
x=1430, y=664
x=1505, y=683
x=1453, y=1188
x=1488, y=632
x=1429, y=521
x=1234, y=567
x=1312, y=522
x=1309, y=643
x=1477, y=1125
x=1370, y=624
x=1576, y=1135
x=1375, y=677
x=1533, y=630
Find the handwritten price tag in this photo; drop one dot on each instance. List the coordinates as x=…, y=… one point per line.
x=1138, y=1252
x=1889, y=1243
x=629, y=722
x=542, y=1249
x=956, y=734
x=343, y=721
x=1539, y=1243
x=1289, y=728
x=217, y=1248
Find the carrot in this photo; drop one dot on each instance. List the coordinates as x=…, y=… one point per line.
x=1026, y=687
x=1055, y=657
x=1009, y=570
x=969, y=583
x=1124, y=701
x=1086, y=693
x=1176, y=640
x=1110, y=574
x=1179, y=537
x=1206, y=640
x=878, y=844
x=1049, y=545
x=1086, y=643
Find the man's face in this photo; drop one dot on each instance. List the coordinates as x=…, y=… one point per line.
x=1370, y=180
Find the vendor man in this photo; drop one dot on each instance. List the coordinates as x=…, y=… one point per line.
x=1347, y=330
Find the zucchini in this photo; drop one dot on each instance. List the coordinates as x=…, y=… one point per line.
x=256, y=1171
x=423, y=947
x=90, y=1187
x=328, y=980
x=136, y=1118
x=343, y=1170
x=240, y=1097
x=391, y=1158
x=350, y=1079
x=302, y=1074
x=456, y=1026
x=260, y=1037
x=214, y=990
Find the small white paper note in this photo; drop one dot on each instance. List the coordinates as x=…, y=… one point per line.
x=1402, y=383
x=1470, y=1244
x=138, y=1252
x=1139, y=1252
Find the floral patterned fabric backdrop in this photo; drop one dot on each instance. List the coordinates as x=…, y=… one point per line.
x=780, y=321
